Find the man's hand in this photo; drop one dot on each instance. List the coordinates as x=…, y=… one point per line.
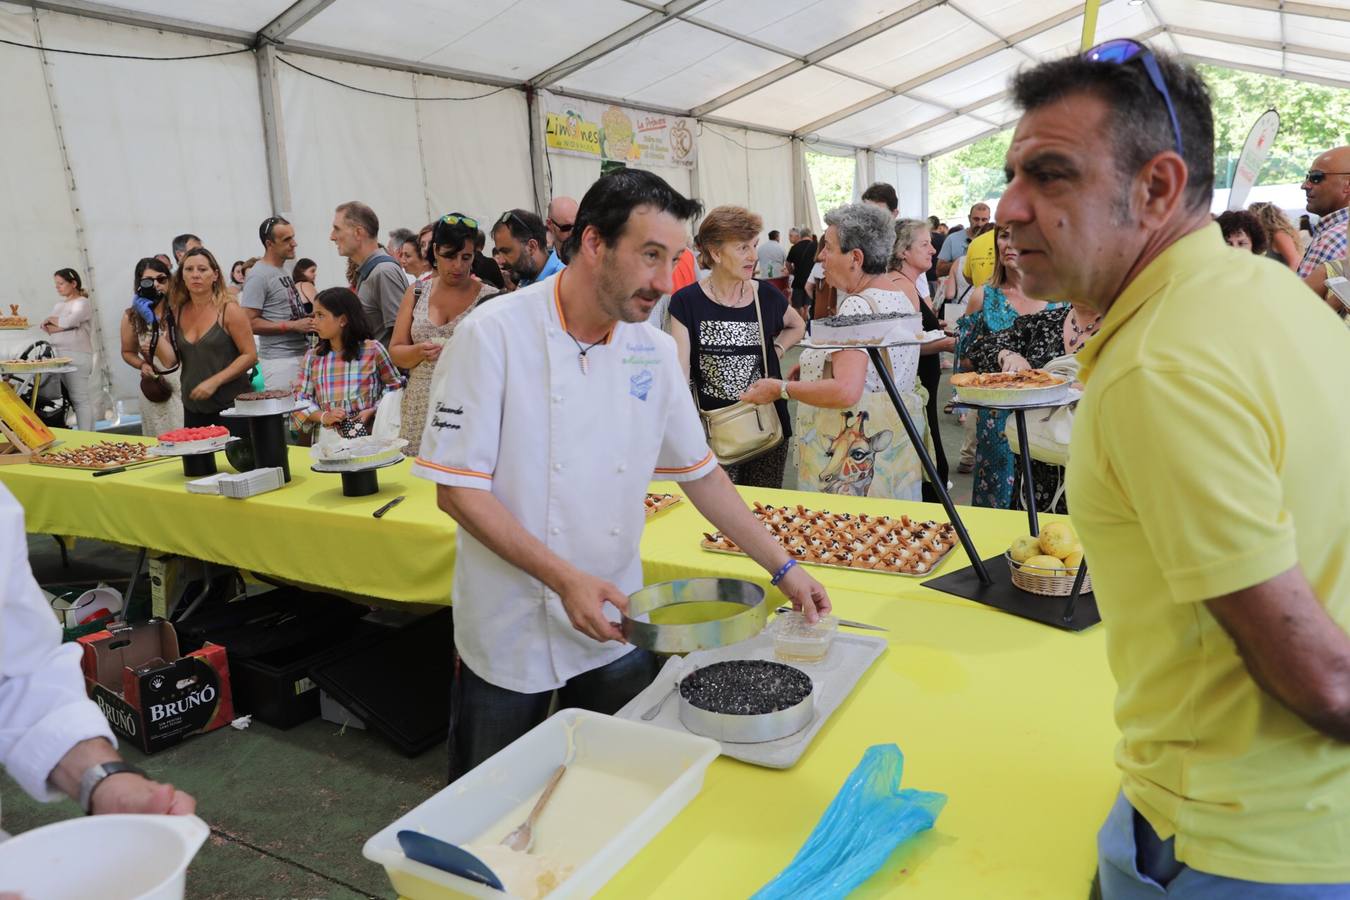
x=765, y=390
x=305, y=325
x=583, y=599
x=807, y=595
x=127, y=792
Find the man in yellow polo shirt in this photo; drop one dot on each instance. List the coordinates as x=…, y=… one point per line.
x=979, y=264
x=1207, y=485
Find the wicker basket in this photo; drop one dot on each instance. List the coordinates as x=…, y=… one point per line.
x=1047, y=582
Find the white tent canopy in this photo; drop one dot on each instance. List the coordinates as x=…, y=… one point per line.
x=422, y=106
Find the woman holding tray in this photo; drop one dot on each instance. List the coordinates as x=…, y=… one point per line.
x=346, y=373
x=1041, y=340
x=850, y=440
x=994, y=307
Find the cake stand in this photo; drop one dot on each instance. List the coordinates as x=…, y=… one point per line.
x=1079, y=611
x=358, y=479
x=196, y=463
x=268, y=434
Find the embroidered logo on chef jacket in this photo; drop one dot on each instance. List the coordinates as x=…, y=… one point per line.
x=641, y=384
x=442, y=409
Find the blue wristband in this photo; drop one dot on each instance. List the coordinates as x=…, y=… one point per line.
x=782, y=573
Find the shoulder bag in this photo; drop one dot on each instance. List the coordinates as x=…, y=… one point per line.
x=743, y=430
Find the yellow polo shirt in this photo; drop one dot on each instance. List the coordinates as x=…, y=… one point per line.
x=980, y=255
x=1208, y=456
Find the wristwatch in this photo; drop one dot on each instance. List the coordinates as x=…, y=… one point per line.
x=784, y=393
x=93, y=777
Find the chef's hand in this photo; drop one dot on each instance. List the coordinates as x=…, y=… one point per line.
x=583, y=599
x=127, y=792
x=1012, y=362
x=766, y=390
x=807, y=595
x=431, y=351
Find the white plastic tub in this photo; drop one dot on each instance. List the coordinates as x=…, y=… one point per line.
x=670, y=765
x=115, y=857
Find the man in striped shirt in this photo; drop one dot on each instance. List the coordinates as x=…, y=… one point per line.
x=1327, y=188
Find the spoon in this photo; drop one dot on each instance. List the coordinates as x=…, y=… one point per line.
x=522, y=838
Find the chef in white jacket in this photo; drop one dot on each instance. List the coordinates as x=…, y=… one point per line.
x=53, y=739
x=551, y=411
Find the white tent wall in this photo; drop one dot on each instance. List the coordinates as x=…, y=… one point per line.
x=476, y=153
x=906, y=176
x=342, y=145
x=747, y=168
x=39, y=227
x=156, y=148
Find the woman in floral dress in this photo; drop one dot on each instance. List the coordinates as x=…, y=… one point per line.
x=993, y=308
x=432, y=308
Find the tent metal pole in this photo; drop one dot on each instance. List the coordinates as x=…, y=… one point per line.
x=274, y=132
x=543, y=187
x=1090, y=23
x=102, y=388
x=923, y=189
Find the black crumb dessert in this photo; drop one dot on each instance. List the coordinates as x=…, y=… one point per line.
x=746, y=687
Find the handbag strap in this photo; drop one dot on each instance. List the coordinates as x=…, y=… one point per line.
x=154, y=341
x=763, y=352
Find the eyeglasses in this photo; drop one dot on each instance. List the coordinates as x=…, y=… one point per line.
x=561, y=227
x=1317, y=176
x=159, y=279
x=457, y=219
x=1122, y=51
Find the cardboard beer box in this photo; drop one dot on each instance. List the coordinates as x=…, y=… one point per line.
x=150, y=694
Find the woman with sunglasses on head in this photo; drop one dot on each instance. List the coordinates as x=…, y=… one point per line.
x=212, y=337
x=430, y=311
x=68, y=331
x=146, y=324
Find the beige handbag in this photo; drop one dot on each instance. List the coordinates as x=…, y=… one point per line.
x=743, y=430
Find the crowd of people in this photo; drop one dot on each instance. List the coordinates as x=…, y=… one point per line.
x=1199, y=476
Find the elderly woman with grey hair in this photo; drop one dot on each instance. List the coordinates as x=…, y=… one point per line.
x=849, y=438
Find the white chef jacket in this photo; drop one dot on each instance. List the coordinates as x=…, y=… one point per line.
x=44, y=710
x=570, y=455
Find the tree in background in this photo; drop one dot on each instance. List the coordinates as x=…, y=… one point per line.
x=1312, y=119
x=832, y=179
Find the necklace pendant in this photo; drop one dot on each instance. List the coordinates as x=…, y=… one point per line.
x=584, y=363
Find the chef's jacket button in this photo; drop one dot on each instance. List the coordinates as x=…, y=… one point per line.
x=557, y=467
x=623, y=468
x=555, y=531
x=557, y=398
x=615, y=531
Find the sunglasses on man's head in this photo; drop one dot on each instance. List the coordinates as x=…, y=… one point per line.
x=457, y=219
x=1317, y=176
x=1122, y=51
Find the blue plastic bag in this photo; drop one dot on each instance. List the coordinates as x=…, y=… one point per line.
x=866, y=821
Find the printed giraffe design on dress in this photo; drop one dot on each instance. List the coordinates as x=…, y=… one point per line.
x=852, y=456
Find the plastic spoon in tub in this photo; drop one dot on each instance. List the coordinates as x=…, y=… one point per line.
x=447, y=857
x=522, y=838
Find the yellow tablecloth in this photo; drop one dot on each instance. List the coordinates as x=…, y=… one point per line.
x=1011, y=719
x=306, y=532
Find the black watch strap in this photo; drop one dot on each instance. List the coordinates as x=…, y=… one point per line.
x=94, y=776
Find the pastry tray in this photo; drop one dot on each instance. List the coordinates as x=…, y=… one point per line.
x=216, y=446
x=835, y=677
x=928, y=338
x=360, y=464
x=1040, y=401
x=36, y=460
x=937, y=563
x=663, y=503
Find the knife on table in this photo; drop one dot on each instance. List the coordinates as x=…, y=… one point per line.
x=379, y=513
x=115, y=469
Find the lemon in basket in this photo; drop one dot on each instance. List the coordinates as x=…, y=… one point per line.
x=1058, y=540
x=1024, y=548
x=1046, y=563
x=1074, y=559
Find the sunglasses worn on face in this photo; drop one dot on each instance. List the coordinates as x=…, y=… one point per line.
x=1120, y=52
x=563, y=228
x=457, y=219
x=1317, y=176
